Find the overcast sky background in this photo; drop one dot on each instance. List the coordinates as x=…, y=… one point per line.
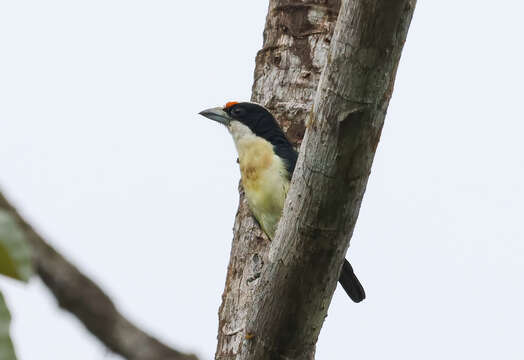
x=103, y=151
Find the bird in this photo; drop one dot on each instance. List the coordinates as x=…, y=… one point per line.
x=267, y=160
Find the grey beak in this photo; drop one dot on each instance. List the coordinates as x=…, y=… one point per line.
x=217, y=114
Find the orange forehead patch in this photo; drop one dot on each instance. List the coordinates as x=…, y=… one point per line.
x=230, y=103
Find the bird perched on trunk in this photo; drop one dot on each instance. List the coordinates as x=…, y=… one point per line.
x=267, y=160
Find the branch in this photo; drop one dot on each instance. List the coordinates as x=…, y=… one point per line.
x=79, y=295
x=322, y=207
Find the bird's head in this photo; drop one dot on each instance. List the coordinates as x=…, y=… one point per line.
x=247, y=119
x=239, y=116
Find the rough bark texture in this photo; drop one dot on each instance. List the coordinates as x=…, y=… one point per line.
x=79, y=295
x=297, y=37
x=274, y=304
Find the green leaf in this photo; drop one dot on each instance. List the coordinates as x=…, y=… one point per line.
x=7, y=351
x=15, y=253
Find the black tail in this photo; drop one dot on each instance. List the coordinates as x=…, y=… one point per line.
x=350, y=283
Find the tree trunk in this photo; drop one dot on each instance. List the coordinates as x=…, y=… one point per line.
x=297, y=37
x=274, y=304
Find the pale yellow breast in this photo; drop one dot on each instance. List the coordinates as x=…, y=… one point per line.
x=264, y=180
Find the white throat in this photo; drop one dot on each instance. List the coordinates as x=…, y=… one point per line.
x=240, y=132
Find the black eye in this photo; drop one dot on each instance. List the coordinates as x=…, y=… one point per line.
x=238, y=112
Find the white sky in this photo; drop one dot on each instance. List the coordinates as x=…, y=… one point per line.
x=102, y=150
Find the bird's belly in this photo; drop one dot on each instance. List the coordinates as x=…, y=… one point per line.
x=266, y=196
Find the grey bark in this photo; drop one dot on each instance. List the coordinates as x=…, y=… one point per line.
x=297, y=37
x=79, y=295
x=284, y=295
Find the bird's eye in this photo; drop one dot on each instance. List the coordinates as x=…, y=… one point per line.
x=237, y=112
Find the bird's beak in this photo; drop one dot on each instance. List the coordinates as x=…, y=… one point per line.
x=217, y=114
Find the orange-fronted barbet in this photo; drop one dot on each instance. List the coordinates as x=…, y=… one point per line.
x=267, y=160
